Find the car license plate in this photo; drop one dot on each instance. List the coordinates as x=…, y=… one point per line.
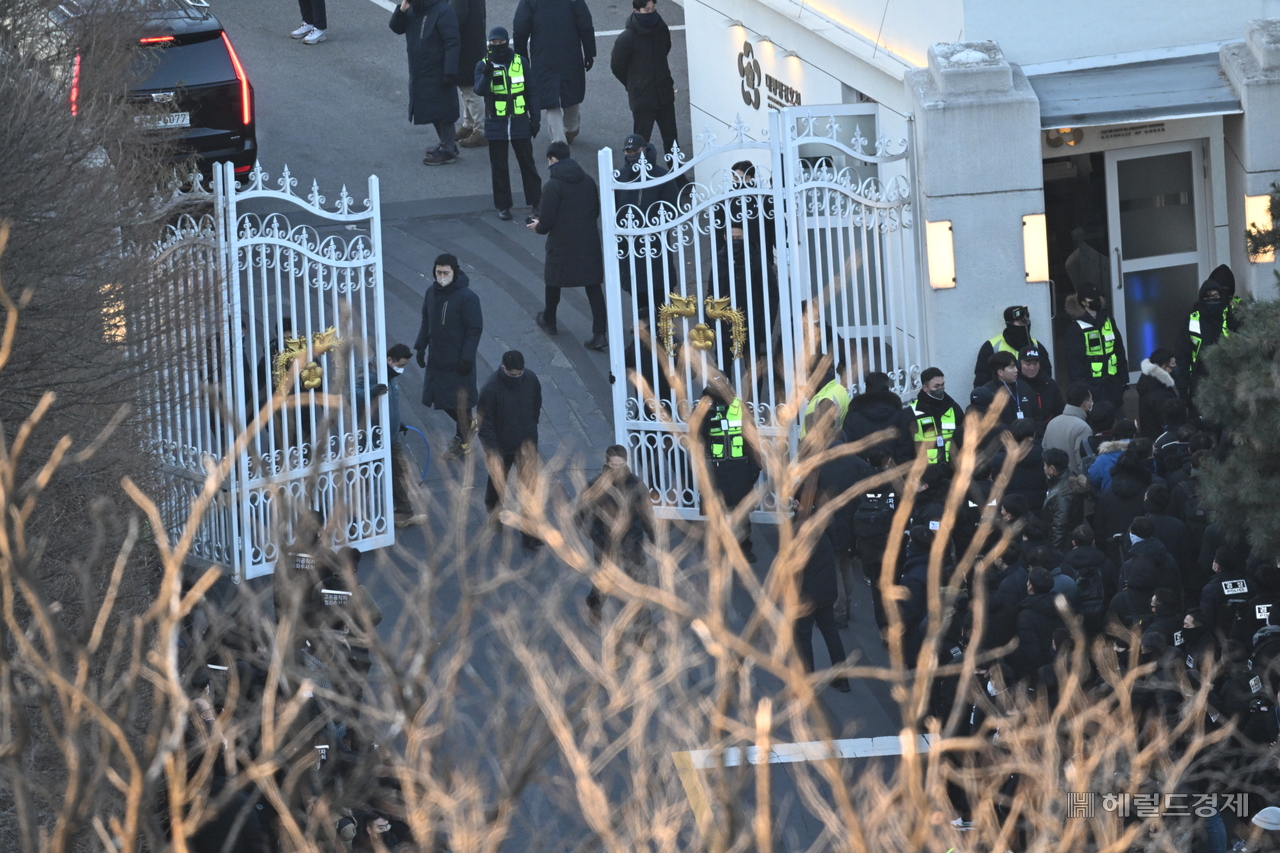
x=166, y=121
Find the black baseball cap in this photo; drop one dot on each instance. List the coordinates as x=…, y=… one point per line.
x=513, y=359
x=1016, y=312
x=1029, y=354
x=634, y=142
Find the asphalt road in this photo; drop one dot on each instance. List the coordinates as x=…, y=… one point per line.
x=337, y=112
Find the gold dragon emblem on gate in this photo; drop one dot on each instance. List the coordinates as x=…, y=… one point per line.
x=311, y=374
x=702, y=336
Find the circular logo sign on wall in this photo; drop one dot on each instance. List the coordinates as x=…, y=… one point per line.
x=749, y=71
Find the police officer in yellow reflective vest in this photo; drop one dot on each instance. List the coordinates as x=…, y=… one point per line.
x=1095, y=349
x=938, y=418
x=511, y=119
x=732, y=459
x=830, y=388
x=1212, y=318
x=1014, y=339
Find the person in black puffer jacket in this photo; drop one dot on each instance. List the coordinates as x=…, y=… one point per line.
x=1037, y=619
x=639, y=61
x=1122, y=501
x=1133, y=602
x=1028, y=474
x=1095, y=576
x=876, y=409
x=817, y=606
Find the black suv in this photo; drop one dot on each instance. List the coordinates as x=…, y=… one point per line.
x=190, y=72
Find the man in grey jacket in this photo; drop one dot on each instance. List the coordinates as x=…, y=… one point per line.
x=1068, y=431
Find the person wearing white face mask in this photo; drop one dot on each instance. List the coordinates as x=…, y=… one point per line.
x=451, y=326
x=939, y=419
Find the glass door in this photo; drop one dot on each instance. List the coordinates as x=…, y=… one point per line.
x=1157, y=221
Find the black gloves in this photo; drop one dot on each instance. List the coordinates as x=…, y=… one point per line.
x=451, y=79
x=422, y=358
x=591, y=60
x=378, y=390
x=464, y=367
x=534, y=128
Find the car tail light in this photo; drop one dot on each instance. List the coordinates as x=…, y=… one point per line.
x=157, y=40
x=246, y=107
x=75, y=86
x=243, y=170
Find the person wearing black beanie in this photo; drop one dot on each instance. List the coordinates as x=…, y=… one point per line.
x=1015, y=338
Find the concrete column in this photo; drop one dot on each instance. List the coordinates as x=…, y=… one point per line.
x=1252, y=155
x=978, y=144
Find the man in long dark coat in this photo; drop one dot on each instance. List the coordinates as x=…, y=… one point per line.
x=430, y=28
x=564, y=49
x=568, y=216
x=451, y=325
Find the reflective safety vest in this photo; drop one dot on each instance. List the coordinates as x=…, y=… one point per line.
x=507, y=87
x=935, y=432
x=999, y=344
x=1100, y=348
x=726, y=431
x=1193, y=326
x=836, y=393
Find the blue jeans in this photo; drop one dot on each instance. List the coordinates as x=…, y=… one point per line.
x=1217, y=831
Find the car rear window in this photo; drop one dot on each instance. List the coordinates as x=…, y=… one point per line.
x=185, y=65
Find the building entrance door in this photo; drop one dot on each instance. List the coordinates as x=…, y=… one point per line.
x=1157, y=222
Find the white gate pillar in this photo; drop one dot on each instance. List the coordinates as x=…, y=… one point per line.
x=978, y=144
x=1253, y=159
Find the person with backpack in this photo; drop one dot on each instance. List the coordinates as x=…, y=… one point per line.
x=1133, y=602
x=1185, y=503
x=1095, y=578
x=1142, y=542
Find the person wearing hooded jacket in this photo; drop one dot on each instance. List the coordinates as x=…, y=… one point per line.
x=639, y=61
x=511, y=120
x=1122, y=501
x=1014, y=339
x=638, y=202
x=430, y=28
x=1156, y=386
x=568, y=216
x=1095, y=347
x=1133, y=602
x=452, y=323
x=1037, y=618
x=876, y=409
x=564, y=50
x=1212, y=318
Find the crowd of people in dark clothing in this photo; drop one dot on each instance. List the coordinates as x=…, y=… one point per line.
x=1102, y=535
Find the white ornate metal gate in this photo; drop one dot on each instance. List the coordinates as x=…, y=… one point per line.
x=295, y=309
x=810, y=251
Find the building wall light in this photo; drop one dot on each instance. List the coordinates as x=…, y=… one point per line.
x=1035, y=247
x=942, y=255
x=1257, y=214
